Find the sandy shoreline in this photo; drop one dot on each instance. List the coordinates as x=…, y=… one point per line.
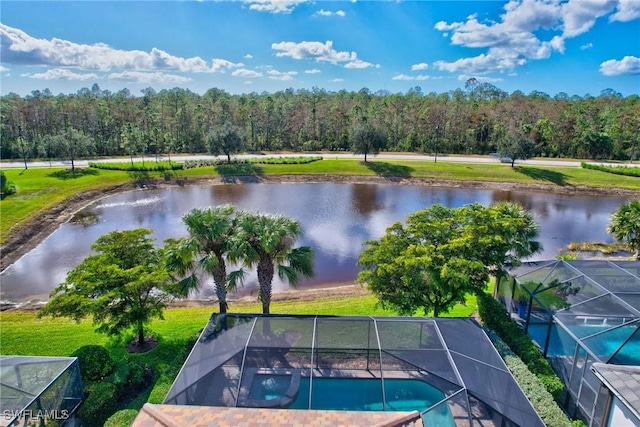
x=35, y=231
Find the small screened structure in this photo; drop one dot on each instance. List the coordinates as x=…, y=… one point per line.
x=446, y=369
x=579, y=312
x=39, y=390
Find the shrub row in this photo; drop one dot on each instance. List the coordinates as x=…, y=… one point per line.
x=150, y=166
x=300, y=160
x=496, y=318
x=540, y=398
x=106, y=382
x=618, y=170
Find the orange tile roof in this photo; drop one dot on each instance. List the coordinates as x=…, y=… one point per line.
x=196, y=416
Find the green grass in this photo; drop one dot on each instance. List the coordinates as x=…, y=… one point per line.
x=40, y=189
x=22, y=333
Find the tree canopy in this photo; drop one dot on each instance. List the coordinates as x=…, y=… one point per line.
x=472, y=120
x=442, y=254
x=122, y=287
x=625, y=225
x=267, y=242
x=204, y=250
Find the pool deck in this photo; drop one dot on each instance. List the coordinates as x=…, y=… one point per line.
x=178, y=416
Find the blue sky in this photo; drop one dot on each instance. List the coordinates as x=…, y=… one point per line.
x=574, y=46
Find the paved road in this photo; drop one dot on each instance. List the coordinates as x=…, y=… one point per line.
x=385, y=156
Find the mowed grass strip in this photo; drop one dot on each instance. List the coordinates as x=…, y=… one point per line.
x=22, y=333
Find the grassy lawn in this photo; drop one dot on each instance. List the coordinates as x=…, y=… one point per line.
x=22, y=333
x=40, y=189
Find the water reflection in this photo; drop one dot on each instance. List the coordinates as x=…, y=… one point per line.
x=336, y=218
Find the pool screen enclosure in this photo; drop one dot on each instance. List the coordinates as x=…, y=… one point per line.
x=447, y=369
x=579, y=312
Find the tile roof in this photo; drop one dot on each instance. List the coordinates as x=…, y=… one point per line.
x=178, y=416
x=623, y=381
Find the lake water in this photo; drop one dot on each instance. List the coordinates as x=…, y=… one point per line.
x=336, y=219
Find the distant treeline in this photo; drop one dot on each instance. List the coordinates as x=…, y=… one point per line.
x=473, y=120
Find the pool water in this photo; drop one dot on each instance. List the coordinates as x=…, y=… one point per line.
x=604, y=345
x=358, y=394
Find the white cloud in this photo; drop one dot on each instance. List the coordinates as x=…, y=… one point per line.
x=406, y=77
x=248, y=56
x=627, y=10
x=274, y=6
x=358, y=64
x=513, y=40
x=628, y=65
x=586, y=46
x=312, y=71
x=313, y=50
x=282, y=76
x=222, y=65
x=17, y=47
x=337, y=80
x=61, y=74
x=248, y=82
x=323, y=12
x=246, y=73
x=420, y=66
x=3, y=69
x=579, y=16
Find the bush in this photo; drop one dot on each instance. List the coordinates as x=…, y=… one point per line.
x=101, y=401
x=7, y=188
x=149, y=166
x=496, y=318
x=121, y=418
x=534, y=389
x=300, y=160
x=95, y=362
x=617, y=170
x=138, y=376
x=168, y=375
x=119, y=376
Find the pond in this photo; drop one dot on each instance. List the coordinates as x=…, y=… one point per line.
x=336, y=219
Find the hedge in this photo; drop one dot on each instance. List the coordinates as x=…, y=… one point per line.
x=618, y=170
x=122, y=418
x=299, y=160
x=150, y=166
x=101, y=402
x=534, y=389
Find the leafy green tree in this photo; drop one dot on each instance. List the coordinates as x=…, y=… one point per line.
x=442, y=254
x=226, y=139
x=266, y=242
x=122, y=287
x=366, y=139
x=210, y=232
x=625, y=225
x=516, y=147
x=73, y=144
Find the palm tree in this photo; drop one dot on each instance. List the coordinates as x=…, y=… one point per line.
x=625, y=225
x=519, y=230
x=210, y=231
x=265, y=241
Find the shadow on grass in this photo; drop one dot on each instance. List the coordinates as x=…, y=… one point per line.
x=240, y=172
x=75, y=174
x=389, y=170
x=543, y=175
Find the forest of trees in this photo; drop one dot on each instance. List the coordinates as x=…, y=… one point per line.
x=473, y=120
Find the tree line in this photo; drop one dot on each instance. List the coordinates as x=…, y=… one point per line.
x=477, y=119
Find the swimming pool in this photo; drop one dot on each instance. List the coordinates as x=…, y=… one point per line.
x=355, y=394
x=604, y=345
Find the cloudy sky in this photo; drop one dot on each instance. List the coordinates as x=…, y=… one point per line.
x=242, y=46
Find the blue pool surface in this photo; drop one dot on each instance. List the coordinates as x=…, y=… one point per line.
x=604, y=345
x=357, y=394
